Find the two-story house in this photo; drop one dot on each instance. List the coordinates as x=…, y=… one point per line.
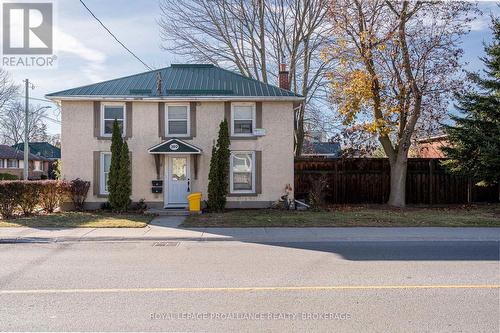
x=170, y=118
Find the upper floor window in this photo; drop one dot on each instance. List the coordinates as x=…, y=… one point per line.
x=109, y=113
x=177, y=120
x=243, y=119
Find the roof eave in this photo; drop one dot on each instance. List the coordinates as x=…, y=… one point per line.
x=174, y=98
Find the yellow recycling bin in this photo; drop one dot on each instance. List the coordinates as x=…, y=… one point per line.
x=194, y=200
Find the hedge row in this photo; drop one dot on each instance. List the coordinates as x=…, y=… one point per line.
x=26, y=196
x=8, y=176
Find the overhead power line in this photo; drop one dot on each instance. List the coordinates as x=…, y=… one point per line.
x=52, y=119
x=42, y=100
x=112, y=35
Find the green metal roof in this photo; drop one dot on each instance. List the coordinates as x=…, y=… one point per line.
x=43, y=149
x=180, y=80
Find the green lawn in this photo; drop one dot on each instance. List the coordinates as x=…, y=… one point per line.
x=476, y=216
x=80, y=220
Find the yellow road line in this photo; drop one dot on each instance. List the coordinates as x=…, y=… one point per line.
x=242, y=289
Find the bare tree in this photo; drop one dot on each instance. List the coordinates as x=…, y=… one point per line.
x=254, y=37
x=8, y=90
x=12, y=120
x=400, y=65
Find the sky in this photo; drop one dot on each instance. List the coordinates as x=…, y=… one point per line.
x=88, y=54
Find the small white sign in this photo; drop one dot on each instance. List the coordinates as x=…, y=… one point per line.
x=174, y=146
x=259, y=132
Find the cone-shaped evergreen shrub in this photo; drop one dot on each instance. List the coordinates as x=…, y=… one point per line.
x=114, y=169
x=124, y=184
x=218, y=177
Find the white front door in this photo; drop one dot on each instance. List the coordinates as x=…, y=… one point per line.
x=178, y=184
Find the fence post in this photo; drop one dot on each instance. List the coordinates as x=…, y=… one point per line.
x=431, y=182
x=335, y=180
x=469, y=190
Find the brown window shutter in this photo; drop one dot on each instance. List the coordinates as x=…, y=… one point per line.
x=97, y=119
x=161, y=120
x=258, y=115
x=97, y=168
x=258, y=172
x=227, y=114
x=192, y=116
x=128, y=111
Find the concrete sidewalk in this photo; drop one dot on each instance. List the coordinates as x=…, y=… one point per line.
x=166, y=228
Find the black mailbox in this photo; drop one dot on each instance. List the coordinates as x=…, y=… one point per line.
x=157, y=183
x=157, y=189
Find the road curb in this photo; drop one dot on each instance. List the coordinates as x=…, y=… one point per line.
x=34, y=240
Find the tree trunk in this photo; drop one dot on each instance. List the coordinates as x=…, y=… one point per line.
x=299, y=129
x=397, y=197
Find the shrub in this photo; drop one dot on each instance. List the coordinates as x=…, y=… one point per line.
x=106, y=206
x=140, y=206
x=29, y=196
x=9, y=193
x=55, y=173
x=218, y=175
x=43, y=177
x=78, y=192
x=114, y=167
x=317, y=190
x=124, y=182
x=8, y=176
x=52, y=193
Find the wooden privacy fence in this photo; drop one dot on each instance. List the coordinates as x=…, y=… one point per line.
x=367, y=180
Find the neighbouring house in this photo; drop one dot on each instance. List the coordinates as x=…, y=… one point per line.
x=170, y=118
x=50, y=152
x=12, y=162
x=431, y=147
x=321, y=149
x=316, y=144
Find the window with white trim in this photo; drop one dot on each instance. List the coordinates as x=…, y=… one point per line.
x=1, y=162
x=177, y=120
x=104, y=172
x=12, y=163
x=109, y=113
x=38, y=166
x=242, y=172
x=243, y=119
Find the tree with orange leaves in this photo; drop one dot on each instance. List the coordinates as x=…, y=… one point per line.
x=398, y=67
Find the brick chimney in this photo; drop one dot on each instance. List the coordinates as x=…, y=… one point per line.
x=284, y=81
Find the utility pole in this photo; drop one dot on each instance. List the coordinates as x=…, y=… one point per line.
x=28, y=85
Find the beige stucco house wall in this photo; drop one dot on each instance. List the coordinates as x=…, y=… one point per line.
x=79, y=145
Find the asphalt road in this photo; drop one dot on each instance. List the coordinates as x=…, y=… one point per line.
x=244, y=287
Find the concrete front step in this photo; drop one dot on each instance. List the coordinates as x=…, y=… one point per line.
x=168, y=212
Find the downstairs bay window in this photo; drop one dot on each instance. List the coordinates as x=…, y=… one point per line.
x=242, y=172
x=105, y=163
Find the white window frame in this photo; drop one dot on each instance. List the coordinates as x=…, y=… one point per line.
x=231, y=176
x=39, y=163
x=254, y=118
x=188, y=132
x=102, y=178
x=124, y=128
